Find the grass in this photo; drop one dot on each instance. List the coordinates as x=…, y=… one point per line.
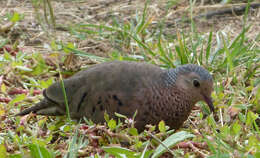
x=234, y=63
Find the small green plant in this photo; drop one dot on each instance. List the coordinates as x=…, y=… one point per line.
x=233, y=61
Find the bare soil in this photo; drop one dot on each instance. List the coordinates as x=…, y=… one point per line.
x=33, y=38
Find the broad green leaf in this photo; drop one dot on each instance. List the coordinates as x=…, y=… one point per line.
x=18, y=98
x=55, y=46
x=41, y=67
x=133, y=131
x=257, y=154
x=16, y=17
x=39, y=151
x=7, y=56
x=251, y=117
x=225, y=131
x=69, y=45
x=253, y=141
x=47, y=83
x=119, y=152
x=112, y=124
x=3, y=152
x=236, y=128
x=162, y=127
x=106, y=117
x=65, y=128
x=16, y=156
x=171, y=141
x=138, y=144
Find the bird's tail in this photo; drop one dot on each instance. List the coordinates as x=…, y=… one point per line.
x=37, y=107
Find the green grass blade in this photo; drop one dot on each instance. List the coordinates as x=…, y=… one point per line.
x=171, y=141
x=208, y=47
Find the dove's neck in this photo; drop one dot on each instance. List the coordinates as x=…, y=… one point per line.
x=171, y=77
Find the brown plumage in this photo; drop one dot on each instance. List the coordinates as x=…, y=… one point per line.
x=124, y=87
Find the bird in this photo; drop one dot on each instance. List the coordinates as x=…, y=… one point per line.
x=126, y=87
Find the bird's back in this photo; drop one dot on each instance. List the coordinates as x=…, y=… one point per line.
x=117, y=86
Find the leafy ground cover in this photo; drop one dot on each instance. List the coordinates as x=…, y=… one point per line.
x=35, y=51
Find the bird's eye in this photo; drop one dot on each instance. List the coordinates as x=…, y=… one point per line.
x=196, y=83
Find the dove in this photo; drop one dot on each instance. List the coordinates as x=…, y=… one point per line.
x=126, y=87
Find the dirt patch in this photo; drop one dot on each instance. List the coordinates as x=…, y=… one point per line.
x=32, y=37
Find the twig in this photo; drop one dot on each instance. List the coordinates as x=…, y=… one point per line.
x=15, y=91
x=202, y=145
x=194, y=125
x=221, y=117
x=117, y=135
x=196, y=150
x=5, y=100
x=233, y=9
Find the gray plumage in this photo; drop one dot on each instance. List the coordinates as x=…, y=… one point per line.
x=124, y=87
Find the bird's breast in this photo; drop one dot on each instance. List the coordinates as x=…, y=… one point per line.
x=168, y=105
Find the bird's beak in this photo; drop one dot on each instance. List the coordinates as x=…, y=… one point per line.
x=208, y=100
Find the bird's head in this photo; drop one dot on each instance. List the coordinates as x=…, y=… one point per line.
x=196, y=82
